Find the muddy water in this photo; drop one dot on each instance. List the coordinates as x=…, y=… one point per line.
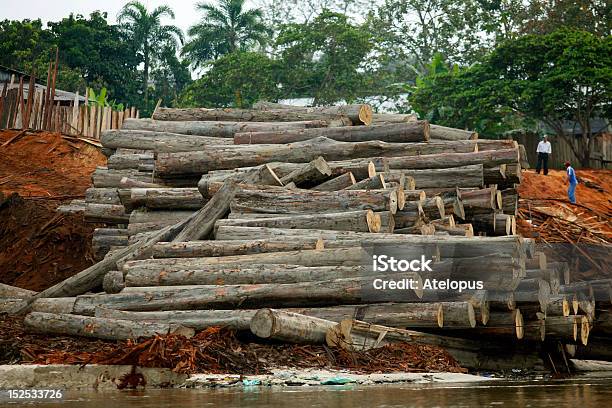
x=557, y=394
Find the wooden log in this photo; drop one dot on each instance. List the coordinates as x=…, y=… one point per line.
x=102, y=244
x=193, y=249
x=167, y=198
x=495, y=175
x=306, y=201
x=340, y=182
x=13, y=292
x=500, y=144
x=311, y=173
x=395, y=133
x=446, y=221
x=558, y=306
x=129, y=160
x=96, y=327
x=289, y=327
x=372, y=183
x=509, y=201
x=113, y=282
x=159, y=141
x=127, y=182
x=493, y=224
x=480, y=198
x=358, y=114
x=570, y=329
x=220, y=129
x=107, y=213
x=229, y=274
x=143, y=216
x=102, y=196
x=201, y=224
x=448, y=133
x=445, y=159
x=450, y=246
x=362, y=221
x=392, y=118
x=257, y=178
x=229, y=157
x=451, y=177
x=463, y=230
x=320, y=293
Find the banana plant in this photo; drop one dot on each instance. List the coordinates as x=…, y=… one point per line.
x=101, y=99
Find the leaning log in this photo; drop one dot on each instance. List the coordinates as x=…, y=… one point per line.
x=311, y=173
x=7, y=291
x=340, y=182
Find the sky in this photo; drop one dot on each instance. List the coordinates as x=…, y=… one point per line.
x=54, y=10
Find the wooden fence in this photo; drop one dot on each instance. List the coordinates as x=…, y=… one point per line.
x=601, y=156
x=39, y=108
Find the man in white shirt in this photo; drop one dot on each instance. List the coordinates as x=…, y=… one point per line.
x=544, y=150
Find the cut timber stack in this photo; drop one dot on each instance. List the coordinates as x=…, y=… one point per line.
x=266, y=219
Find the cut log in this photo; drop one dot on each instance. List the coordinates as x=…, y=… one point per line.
x=230, y=274
x=392, y=118
x=102, y=196
x=311, y=174
x=158, y=141
x=448, y=133
x=113, y=282
x=446, y=159
x=373, y=183
x=107, y=213
x=127, y=182
x=395, y=133
x=362, y=221
x=289, y=327
x=337, y=183
x=306, y=201
x=130, y=160
x=463, y=230
x=167, y=198
x=229, y=157
x=96, y=327
x=466, y=176
x=217, y=128
x=194, y=249
x=201, y=224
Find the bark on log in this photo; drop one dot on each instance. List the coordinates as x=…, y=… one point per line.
x=358, y=114
x=230, y=274
x=311, y=173
x=220, y=129
x=373, y=183
x=7, y=291
x=113, y=282
x=306, y=201
x=258, y=178
x=102, y=196
x=107, y=213
x=495, y=175
x=129, y=160
x=445, y=159
x=333, y=292
x=393, y=133
x=126, y=182
x=201, y=224
x=463, y=230
x=392, y=118
x=337, y=183
x=194, y=249
x=448, y=133
x=101, y=328
x=485, y=145
x=140, y=216
x=361, y=221
x=229, y=157
x=289, y=327
x=167, y=198
x=158, y=141
x=451, y=177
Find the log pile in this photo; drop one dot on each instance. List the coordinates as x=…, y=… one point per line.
x=267, y=220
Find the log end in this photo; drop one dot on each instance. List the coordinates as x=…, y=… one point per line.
x=373, y=221
x=113, y=282
x=319, y=244
x=471, y=315
x=365, y=114
x=519, y=324
x=262, y=324
x=585, y=329
x=393, y=205
x=371, y=169
x=440, y=316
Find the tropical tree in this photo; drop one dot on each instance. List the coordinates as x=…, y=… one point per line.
x=224, y=29
x=148, y=33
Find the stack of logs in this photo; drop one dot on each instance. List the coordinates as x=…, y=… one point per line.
x=266, y=219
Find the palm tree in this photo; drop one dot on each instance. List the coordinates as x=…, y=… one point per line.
x=149, y=35
x=224, y=29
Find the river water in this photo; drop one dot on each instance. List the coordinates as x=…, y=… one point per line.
x=586, y=393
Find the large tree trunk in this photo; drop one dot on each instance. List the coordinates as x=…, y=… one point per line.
x=395, y=133
x=465, y=176
x=96, y=327
x=158, y=141
x=7, y=291
x=219, y=129
x=307, y=201
x=167, y=198
x=445, y=159
x=362, y=221
x=230, y=157
x=358, y=114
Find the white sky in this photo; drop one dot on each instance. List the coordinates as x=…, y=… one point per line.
x=54, y=10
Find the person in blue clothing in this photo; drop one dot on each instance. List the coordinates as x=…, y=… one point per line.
x=572, y=182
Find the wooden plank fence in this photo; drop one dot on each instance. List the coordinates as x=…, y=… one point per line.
x=40, y=109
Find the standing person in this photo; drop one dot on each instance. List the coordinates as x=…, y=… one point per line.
x=572, y=182
x=544, y=150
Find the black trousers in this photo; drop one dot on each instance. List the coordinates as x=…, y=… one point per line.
x=542, y=161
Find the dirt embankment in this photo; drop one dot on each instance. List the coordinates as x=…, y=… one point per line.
x=38, y=172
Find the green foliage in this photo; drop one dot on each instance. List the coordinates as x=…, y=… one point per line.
x=101, y=99
x=565, y=75
x=238, y=79
x=224, y=29
x=322, y=59
x=23, y=44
